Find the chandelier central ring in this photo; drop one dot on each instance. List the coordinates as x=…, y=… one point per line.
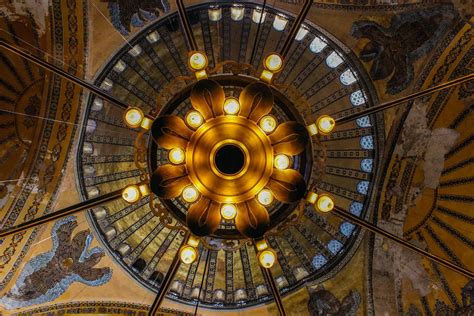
x=214, y=135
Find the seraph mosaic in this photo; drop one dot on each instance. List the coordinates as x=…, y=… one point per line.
x=127, y=13
x=323, y=303
x=48, y=275
x=394, y=49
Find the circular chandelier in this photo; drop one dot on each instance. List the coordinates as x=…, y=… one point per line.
x=229, y=167
x=229, y=160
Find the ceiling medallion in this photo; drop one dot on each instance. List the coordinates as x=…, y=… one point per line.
x=229, y=159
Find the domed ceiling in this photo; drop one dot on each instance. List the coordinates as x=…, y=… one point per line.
x=323, y=72
x=407, y=170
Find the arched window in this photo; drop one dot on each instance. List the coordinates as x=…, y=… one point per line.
x=215, y=13
x=334, y=60
x=319, y=260
x=348, y=77
x=346, y=228
x=356, y=208
x=334, y=246
x=156, y=277
x=91, y=126
x=367, y=142
x=301, y=33
x=139, y=265
x=237, y=12
x=258, y=16
x=363, y=187
x=280, y=22
x=366, y=165
x=317, y=45
x=363, y=122
x=357, y=98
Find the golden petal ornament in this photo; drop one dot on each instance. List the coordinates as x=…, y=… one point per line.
x=207, y=97
x=252, y=219
x=169, y=180
x=287, y=185
x=203, y=217
x=256, y=100
x=289, y=138
x=170, y=131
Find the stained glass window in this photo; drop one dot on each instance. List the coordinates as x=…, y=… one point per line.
x=279, y=23
x=319, y=260
x=366, y=165
x=363, y=121
x=356, y=208
x=363, y=187
x=301, y=33
x=347, y=77
x=317, y=45
x=367, y=142
x=346, y=228
x=334, y=60
x=357, y=98
x=334, y=246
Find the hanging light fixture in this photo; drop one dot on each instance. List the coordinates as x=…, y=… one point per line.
x=135, y=118
x=190, y=194
x=268, y=124
x=176, y=156
x=133, y=193
x=228, y=211
x=231, y=106
x=266, y=255
x=281, y=162
x=194, y=119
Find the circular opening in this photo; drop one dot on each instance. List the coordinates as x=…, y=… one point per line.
x=229, y=159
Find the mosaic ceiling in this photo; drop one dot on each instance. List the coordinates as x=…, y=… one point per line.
x=408, y=170
x=329, y=79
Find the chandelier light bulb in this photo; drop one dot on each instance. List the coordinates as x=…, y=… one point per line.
x=188, y=254
x=198, y=61
x=131, y=194
x=281, y=162
x=273, y=62
x=325, y=203
x=265, y=197
x=190, y=194
x=133, y=117
x=193, y=241
x=325, y=124
x=267, y=258
x=231, y=106
x=268, y=124
x=312, y=197
x=228, y=211
x=194, y=119
x=312, y=129
x=176, y=156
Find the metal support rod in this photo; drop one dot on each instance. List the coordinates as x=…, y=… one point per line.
x=204, y=275
x=254, y=48
x=60, y=72
x=295, y=28
x=173, y=268
x=267, y=273
x=360, y=111
x=276, y=294
x=356, y=220
x=62, y=213
x=188, y=32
